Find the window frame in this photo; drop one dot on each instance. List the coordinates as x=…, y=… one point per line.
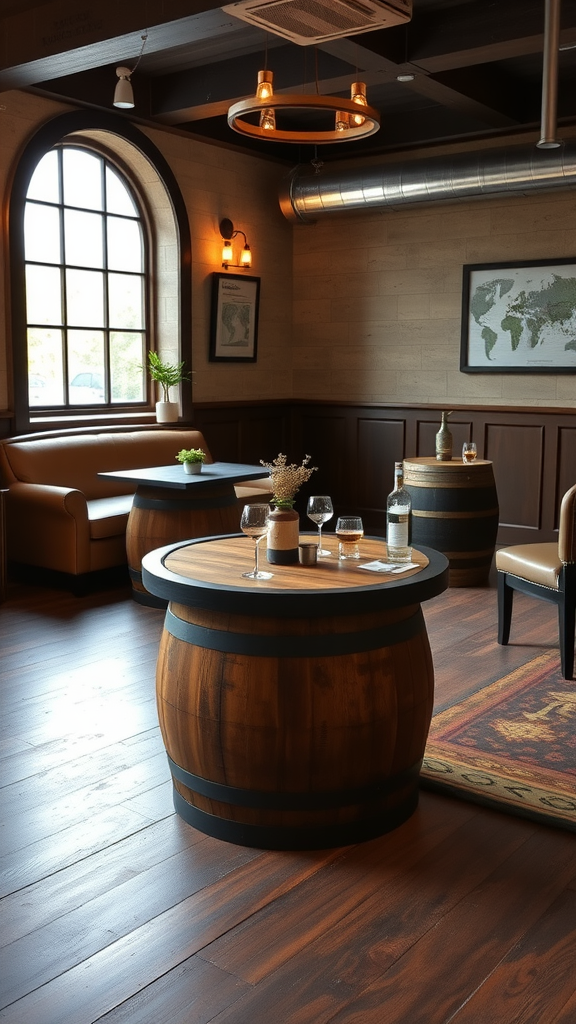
x=119, y=133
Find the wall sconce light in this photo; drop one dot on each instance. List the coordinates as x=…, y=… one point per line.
x=229, y=232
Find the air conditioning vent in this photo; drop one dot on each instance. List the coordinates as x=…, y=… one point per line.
x=316, y=21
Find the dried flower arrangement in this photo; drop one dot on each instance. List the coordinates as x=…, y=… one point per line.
x=287, y=480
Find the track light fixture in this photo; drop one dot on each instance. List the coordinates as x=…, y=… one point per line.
x=229, y=232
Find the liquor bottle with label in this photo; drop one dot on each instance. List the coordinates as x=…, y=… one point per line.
x=399, y=519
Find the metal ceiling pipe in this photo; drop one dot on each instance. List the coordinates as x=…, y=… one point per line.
x=519, y=170
x=548, y=138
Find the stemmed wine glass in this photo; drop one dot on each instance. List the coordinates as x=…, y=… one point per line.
x=254, y=523
x=320, y=511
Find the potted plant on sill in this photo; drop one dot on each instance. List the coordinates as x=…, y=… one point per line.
x=167, y=376
x=191, y=459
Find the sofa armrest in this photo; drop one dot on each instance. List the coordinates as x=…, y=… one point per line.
x=48, y=526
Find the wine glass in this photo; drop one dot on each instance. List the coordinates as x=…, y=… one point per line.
x=469, y=451
x=320, y=511
x=254, y=523
x=349, y=530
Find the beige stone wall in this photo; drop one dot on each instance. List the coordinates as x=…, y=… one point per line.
x=377, y=300
x=215, y=183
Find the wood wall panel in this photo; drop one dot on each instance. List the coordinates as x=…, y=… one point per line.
x=517, y=455
x=380, y=443
x=355, y=447
x=566, y=466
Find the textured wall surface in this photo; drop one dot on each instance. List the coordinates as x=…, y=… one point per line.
x=377, y=299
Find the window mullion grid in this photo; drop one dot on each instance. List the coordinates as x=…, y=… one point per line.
x=107, y=372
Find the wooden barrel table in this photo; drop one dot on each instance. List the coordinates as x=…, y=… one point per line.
x=294, y=710
x=169, y=505
x=455, y=510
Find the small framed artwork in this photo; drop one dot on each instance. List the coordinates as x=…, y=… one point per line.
x=519, y=317
x=234, y=318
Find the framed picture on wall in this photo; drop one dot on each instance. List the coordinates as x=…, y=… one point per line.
x=234, y=318
x=519, y=317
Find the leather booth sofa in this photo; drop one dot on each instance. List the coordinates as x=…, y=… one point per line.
x=60, y=515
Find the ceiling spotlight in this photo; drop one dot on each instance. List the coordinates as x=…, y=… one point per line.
x=123, y=94
x=405, y=78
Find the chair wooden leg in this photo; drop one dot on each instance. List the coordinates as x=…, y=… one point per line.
x=505, y=598
x=566, y=630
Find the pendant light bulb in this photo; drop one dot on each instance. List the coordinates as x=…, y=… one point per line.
x=265, y=88
x=123, y=94
x=268, y=119
x=226, y=252
x=342, y=122
x=358, y=95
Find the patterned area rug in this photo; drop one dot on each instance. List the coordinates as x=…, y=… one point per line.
x=511, y=745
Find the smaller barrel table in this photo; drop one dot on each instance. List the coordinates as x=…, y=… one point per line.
x=294, y=710
x=455, y=510
x=170, y=505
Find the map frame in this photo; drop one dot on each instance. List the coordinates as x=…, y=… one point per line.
x=234, y=340
x=520, y=271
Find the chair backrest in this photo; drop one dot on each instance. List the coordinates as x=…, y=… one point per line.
x=567, y=527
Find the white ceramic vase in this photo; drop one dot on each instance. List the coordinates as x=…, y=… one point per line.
x=167, y=412
x=192, y=468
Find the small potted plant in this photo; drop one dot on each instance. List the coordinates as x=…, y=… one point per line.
x=191, y=459
x=167, y=376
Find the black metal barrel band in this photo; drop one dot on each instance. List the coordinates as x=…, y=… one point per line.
x=295, y=645
x=167, y=505
x=290, y=801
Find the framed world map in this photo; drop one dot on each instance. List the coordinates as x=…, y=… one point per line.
x=519, y=317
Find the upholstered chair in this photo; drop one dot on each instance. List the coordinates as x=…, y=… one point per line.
x=547, y=571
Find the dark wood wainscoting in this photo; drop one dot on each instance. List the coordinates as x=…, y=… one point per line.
x=355, y=447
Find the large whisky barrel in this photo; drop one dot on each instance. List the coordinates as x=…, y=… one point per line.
x=455, y=511
x=295, y=734
x=160, y=515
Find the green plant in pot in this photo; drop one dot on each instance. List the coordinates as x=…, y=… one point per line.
x=167, y=375
x=191, y=459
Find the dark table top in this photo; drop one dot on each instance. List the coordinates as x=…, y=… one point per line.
x=207, y=573
x=175, y=477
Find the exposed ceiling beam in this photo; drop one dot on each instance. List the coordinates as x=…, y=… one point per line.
x=65, y=38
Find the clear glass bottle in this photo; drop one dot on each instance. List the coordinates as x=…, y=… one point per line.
x=399, y=519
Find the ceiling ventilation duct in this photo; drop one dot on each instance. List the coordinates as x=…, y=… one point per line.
x=308, y=22
x=514, y=171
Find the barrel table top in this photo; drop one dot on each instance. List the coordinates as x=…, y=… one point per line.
x=207, y=573
x=427, y=471
x=175, y=476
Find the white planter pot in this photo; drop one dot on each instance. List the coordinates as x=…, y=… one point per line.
x=167, y=412
x=192, y=467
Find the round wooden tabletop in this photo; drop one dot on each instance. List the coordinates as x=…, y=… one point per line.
x=207, y=573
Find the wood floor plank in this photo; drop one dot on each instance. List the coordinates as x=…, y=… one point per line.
x=102, y=981
x=405, y=955
x=537, y=978
x=32, y=908
x=193, y=993
x=49, y=821
x=51, y=951
x=121, y=913
x=262, y=943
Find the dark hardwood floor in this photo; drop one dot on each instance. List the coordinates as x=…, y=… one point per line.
x=115, y=911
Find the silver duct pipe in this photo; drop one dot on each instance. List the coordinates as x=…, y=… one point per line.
x=548, y=138
x=517, y=170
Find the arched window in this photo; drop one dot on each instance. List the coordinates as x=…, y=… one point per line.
x=86, y=283
x=100, y=274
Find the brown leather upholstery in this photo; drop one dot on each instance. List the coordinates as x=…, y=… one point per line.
x=537, y=562
x=547, y=571
x=60, y=514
